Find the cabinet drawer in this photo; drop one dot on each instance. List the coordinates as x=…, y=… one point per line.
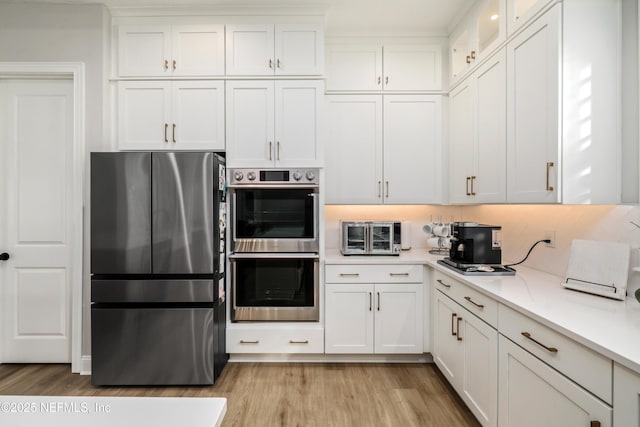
x=584, y=366
x=476, y=302
x=389, y=273
x=275, y=340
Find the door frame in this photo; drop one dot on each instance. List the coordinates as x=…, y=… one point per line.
x=76, y=72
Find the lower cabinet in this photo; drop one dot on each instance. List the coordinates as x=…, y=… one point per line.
x=534, y=394
x=626, y=397
x=465, y=350
x=274, y=339
x=367, y=317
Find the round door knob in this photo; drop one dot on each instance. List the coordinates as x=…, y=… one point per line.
x=4, y=256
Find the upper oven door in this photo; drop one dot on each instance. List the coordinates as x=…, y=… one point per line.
x=275, y=219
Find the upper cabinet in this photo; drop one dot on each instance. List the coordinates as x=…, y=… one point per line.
x=563, y=106
x=479, y=34
x=391, y=67
x=273, y=123
x=519, y=12
x=170, y=50
x=274, y=50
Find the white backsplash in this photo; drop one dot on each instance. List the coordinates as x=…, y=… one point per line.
x=522, y=225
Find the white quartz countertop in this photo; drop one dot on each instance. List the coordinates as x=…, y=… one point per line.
x=610, y=327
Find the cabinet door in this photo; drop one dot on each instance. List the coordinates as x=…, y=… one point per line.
x=412, y=149
x=250, y=123
x=490, y=125
x=461, y=142
x=626, y=397
x=144, y=115
x=197, y=112
x=197, y=50
x=349, y=318
x=353, y=149
x=447, y=349
x=521, y=11
x=297, y=122
x=533, y=101
x=354, y=67
x=479, y=386
x=412, y=67
x=250, y=50
x=144, y=50
x=533, y=394
x=398, y=318
x=299, y=49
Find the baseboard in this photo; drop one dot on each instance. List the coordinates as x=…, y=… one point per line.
x=85, y=365
x=332, y=358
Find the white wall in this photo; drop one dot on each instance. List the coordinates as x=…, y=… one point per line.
x=73, y=33
x=522, y=225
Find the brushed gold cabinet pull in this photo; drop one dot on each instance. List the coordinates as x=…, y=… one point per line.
x=453, y=321
x=349, y=274
x=379, y=189
x=443, y=284
x=270, y=63
x=473, y=180
x=399, y=274
x=549, y=166
x=458, y=328
x=474, y=303
x=529, y=337
x=278, y=150
x=379, y=79
x=270, y=150
x=166, y=128
x=386, y=80
x=278, y=63
x=298, y=342
x=174, y=64
x=173, y=133
x=370, y=301
x=468, y=59
x=595, y=424
x=249, y=342
x=387, y=185
x=473, y=55
x=468, y=192
x=378, y=300
x=166, y=65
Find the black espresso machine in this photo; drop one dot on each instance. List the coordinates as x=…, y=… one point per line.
x=476, y=249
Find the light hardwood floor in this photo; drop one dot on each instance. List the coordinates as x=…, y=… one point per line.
x=286, y=394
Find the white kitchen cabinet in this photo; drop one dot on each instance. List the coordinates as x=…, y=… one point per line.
x=520, y=12
x=481, y=31
x=268, y=50
x=269, y=339
x=465, y=348
x=377, y=148
x=563, y=115
x=176, y=115
x=477, y=135
x=392, y=67
x=626, y=397
x=374, y=309
x=273, y=123
x=531, y=393
x=170, y=50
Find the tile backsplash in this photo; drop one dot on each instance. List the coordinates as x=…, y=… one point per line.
x=522, y=225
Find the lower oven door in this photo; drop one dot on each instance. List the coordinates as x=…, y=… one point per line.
x=275, y=287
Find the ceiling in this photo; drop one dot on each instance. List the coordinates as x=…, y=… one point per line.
x=342, y=16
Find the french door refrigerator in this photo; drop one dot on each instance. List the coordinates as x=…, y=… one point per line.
x=157, y=268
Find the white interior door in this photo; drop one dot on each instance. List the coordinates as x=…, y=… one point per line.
x=36, y=221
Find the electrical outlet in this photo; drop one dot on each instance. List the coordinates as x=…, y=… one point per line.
x=550, y=235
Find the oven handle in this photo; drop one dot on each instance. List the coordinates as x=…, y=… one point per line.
x=254, y=185
x=304, y=255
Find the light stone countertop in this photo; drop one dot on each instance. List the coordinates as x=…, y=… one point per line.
x=610, y=327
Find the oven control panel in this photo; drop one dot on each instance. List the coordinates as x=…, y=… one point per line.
x=258, y=177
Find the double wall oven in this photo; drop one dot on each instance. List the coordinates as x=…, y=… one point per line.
x=274, y=244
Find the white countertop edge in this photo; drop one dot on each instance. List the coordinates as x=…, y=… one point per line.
x=606, y=326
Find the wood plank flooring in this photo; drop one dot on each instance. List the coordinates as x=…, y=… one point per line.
x=286, y=394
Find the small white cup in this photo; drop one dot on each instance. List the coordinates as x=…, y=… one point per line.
x=428, y=228
x=441, y=230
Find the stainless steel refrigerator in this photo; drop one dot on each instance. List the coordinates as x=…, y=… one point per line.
x=157, y=268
